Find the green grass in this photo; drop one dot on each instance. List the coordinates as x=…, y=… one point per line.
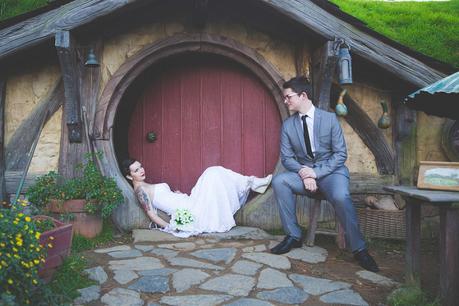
x=11, y=8
x=431, y=28
x=409, y=296
x=68, y=278
x=80, y=243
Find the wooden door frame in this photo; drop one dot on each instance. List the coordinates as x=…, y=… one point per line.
x=129, y=215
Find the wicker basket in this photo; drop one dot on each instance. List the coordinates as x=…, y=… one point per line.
x=387, y=224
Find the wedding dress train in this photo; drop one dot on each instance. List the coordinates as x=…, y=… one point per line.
x=213, y=201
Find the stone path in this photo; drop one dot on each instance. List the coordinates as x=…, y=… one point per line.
x=233, y=268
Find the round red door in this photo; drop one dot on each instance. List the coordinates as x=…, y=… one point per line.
x=201, y=111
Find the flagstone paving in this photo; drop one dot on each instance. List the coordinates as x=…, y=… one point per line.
x=233, y=268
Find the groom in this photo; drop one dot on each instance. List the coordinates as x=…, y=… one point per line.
x=313, y=151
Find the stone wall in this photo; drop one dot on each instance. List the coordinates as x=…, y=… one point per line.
x=25, y=90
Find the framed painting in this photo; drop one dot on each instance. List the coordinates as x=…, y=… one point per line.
x=438, y=175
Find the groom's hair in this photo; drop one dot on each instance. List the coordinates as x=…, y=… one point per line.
x=299, y=84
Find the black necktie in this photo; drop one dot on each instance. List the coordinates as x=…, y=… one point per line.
x=307, y=141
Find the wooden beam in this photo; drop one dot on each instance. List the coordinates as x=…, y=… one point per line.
x=3, y=195
x=16, y=152
x=66, y=52
x=43, y=27
x=364, y=45
x=324, y=65
x=72, y=154
x=404, y=137
x=370, y=134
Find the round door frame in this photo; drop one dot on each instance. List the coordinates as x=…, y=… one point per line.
x=129, y=215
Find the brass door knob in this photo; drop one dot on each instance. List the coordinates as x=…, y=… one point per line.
x=151, y=137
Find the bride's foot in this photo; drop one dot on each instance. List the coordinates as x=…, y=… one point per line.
x=260, y=185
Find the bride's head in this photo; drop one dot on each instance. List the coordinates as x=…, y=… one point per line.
x=133, y=170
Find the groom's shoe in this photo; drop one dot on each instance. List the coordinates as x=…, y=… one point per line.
x=260, y=185
x=366, y=261
x=286, y=245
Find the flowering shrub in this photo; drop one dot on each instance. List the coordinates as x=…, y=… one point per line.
x=102, y=193
x=20, y=256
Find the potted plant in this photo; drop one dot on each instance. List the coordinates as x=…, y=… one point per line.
x=84, y=201
x=29, y=247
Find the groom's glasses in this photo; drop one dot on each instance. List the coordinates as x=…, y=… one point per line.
x=287, y=97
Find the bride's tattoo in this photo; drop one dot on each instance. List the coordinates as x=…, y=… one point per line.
x=143, y=199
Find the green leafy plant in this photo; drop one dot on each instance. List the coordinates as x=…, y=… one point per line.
x=101, y=192
x=20, y=256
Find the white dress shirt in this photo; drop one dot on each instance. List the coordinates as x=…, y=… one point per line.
x=310, y=124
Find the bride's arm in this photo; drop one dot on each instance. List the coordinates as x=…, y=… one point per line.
x=147, y=206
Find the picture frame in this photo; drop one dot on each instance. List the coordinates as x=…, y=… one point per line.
x=438, y=175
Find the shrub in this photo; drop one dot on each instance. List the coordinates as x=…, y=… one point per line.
x=20, y=256
x=102, y=193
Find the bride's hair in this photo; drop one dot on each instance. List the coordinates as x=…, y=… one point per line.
x=125, y=166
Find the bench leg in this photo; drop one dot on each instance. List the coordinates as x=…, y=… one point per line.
x=340, y=238
x=314, y=212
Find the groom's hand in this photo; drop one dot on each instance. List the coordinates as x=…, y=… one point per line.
x=307, y=172
x=310, y=184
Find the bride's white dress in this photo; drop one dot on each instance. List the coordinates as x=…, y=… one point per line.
x=216, y=197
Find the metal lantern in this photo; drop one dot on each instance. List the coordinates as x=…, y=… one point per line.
x=344, y=65
x=91, y=60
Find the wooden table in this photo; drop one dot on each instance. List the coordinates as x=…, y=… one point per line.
x=449, y=236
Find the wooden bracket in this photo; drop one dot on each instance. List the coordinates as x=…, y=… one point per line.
x=66, y=53
x=324, y=67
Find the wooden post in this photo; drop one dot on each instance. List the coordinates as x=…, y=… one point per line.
x=66, y=52
x=413, y=241
x=324, y=67
x=404, y=135
x=449, y=254
x=3, y=195
x=87, y=80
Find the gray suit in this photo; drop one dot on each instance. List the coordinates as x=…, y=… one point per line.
x=328, y=164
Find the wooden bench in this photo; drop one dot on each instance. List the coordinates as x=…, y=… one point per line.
x=314, y=212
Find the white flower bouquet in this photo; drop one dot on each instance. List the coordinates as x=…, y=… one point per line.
x=182, y=219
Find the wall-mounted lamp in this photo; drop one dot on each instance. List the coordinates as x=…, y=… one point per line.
x=91, y=59
x=344, y=64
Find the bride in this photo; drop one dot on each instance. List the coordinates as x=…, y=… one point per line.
x=216, y=197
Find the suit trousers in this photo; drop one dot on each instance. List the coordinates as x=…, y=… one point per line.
x=335, y=188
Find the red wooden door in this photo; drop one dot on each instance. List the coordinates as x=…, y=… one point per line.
x=205, y=111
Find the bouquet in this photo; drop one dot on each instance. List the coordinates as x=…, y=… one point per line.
x=182, y=219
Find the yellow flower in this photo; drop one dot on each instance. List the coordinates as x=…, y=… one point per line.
x=34, y=281
x=10, y=281
x=36, y=261
x=50, y=245
x=2, y=244
x=37, y=249
x=51, y=238
x=15, y=250
x=37, y=235
x=20, y=215
x=28, y=219
x=19, y=243
x=15, y=222
x=4, y=263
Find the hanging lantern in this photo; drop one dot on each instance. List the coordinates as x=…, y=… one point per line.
x=344, y=65
x=91, y=59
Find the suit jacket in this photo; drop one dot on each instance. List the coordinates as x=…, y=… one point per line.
x=330, y=145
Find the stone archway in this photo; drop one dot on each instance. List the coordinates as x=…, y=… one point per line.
x=129, y=215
